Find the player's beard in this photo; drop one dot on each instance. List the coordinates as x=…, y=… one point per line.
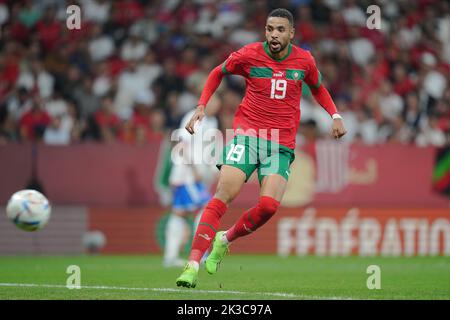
x=280, y=48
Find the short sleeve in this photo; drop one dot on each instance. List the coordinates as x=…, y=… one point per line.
x=234, y=64
x=313, y=77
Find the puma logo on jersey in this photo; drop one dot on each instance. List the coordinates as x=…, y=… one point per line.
x=205, y=236
x=278, y=74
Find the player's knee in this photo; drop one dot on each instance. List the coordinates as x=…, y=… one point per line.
x=223, y=196
x=268, y=206
x=225, y=193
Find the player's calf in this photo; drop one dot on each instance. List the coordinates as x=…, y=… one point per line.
x=254, y=218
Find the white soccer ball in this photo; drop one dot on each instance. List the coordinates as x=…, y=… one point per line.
x=29, y=210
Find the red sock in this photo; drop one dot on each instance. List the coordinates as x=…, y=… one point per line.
x=207, y=228
x=253, y=218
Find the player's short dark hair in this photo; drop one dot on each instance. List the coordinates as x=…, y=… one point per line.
x=282, y=13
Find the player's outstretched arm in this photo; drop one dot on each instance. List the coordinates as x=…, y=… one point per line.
x=323, y=97
x=213, y=81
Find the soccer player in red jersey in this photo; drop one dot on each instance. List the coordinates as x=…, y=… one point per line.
x=265, y=126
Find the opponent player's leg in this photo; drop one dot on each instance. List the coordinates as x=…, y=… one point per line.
x=230, y=182
x=183, y=203
x=174, y=237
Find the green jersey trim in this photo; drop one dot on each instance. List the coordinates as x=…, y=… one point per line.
x=224, y=68
x=261, y=72
x=319, y=81
x=266, y=49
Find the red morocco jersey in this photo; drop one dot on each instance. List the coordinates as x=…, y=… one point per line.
x=273, y=92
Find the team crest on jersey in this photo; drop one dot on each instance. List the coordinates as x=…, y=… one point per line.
x=295, y=74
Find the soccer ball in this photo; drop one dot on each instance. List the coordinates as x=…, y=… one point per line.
x=28, y=209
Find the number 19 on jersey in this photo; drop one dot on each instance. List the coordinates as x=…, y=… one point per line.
x=278, y=89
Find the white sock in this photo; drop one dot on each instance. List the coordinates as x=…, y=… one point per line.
x=224, y=239
x=194, y=264
x=174, y=237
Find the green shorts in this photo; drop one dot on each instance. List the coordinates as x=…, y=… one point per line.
x=249, y=153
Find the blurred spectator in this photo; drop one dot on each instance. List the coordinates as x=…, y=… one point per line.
x=133, y=48
x=434, y=82
x=368, y=128
x=18, y=103
x=125, y=12
x=106, y=122
x=97, y=11
x=9, y=73
x=103, y=81
x=353, y=14
x=171, y=110
x=29, y=14
x=246, y=35
x=136, y=66
x=168, y=81
x=33, y=123
x=129, y=84
x=188, y=98
x=391, y=104
x=188, y=63
x=149, y=69
x=101, y=45
x=49, y=29
x=58, y=132
x=361, y=49
x=412, y=113
x=431, y=135
x=36, y=79
x=403, y=83
x=85, y=98
x=4, y=14
x=147, y=27
x=306, y=31
x=156, y=129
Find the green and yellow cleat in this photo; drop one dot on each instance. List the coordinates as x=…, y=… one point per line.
x=217, y=254
x=188, y=278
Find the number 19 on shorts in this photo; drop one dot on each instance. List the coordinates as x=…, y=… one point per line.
x=278, y=89
x=236, y=152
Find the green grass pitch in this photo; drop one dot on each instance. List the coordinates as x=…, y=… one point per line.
x=240, y=277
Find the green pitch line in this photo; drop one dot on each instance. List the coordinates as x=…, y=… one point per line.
x=240, y=277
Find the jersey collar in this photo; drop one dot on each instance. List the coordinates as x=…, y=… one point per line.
x=266, y=49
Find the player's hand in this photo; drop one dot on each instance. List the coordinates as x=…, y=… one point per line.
x=338, y=129
x=198, y=116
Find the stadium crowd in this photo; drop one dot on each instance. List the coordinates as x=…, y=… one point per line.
x=135, y=67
